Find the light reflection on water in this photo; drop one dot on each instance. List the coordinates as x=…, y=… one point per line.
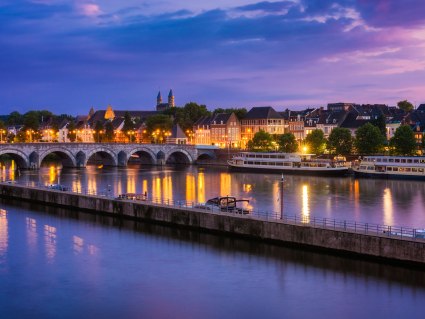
x=76, y=265
x=394, y=202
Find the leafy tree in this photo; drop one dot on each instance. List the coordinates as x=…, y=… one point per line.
x=340, y=141
x=262, y=141
x=239, y=112
x=287, y=143
x=316, y=141
x=403, y=141
x=109, y=132
x=405, y=105
x=369, y=139
x=157, y=126
x=189, y=114
x=72, y=134
x=98, y=131
x=381, y=124
x=128, y=127
x=15, y=118
x=31, y=121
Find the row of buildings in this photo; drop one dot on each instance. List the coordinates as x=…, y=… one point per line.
x=226, y=130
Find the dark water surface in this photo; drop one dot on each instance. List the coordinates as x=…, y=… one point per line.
x=60, y=264
x=388, y=202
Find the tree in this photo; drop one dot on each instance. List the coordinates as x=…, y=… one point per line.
x=405, y=105
x=157, y=126
x=369, y=139
x=128, y=127
x=31, y=121
x=15, y=118
x=189, y=114
x=98, y=131
x=109, y=132
x=340, y=141
x=403, y=141
x=380, y=123
x=72, y=134
x=262, y=141
x=287, y=143
x=239, y=112
x=316, y=141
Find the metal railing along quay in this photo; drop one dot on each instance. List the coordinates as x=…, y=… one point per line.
x=396, y=232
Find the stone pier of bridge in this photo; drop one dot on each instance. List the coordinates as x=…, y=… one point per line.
x=31, y=155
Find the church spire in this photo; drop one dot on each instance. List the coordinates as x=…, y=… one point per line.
x=159, y=98
x=171, y=99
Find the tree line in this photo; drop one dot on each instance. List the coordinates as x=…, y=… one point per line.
x=368, y=139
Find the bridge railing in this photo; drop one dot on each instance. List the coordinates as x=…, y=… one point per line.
x=391, y=231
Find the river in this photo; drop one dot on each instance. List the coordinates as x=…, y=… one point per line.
x=56, y=263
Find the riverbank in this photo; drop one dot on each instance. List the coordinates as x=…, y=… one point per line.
x=340, y=239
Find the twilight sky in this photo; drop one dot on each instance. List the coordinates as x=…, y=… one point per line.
x=67, y=55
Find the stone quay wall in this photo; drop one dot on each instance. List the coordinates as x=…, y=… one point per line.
x=339, y=241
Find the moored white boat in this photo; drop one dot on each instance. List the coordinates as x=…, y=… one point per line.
x=401, y=167
x=290, y=163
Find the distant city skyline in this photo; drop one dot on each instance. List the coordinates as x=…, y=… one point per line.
x=69, y=55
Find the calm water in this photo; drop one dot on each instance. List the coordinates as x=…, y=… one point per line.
x=60, y=264
x=389, y=202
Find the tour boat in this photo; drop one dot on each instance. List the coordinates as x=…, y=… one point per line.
x=287, y=163
x=402, y=167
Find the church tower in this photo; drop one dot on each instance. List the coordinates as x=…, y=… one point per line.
x=158, y=98
x=171, y=99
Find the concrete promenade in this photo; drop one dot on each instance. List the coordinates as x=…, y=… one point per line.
x=361, y=242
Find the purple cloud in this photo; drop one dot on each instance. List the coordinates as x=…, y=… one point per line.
x=284, y=53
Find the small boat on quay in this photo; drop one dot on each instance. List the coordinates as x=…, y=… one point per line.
x=224, y=204
x=132, y=196
x=397, y=167
x=287, y=163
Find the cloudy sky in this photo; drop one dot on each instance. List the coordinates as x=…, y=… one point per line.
x=68, y=55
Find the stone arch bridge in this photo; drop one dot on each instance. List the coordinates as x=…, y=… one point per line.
x=31, y=155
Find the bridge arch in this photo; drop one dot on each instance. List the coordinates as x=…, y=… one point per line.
x=66, y=157
x=18, y=156
x=205, y=156
x=106, y=156
x=145, y=155
x=81, y=159
x=178, y=156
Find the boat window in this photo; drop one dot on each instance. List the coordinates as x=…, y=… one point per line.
x=415, y=161
x=409, y=160
x=370, y=168
x=421, y=170
x=395, y=169
x=403, y=160
x=397, y=160
x=414, y=169
x=391, y=160
x=257, y=163
x=389, y=169
x=407, y=169
x=384, y=160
